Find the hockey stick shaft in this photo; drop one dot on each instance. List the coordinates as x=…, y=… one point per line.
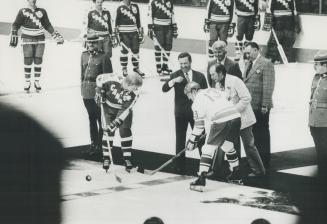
x=280, y=48
x=172, y=159
x=77, y=40
x=167, y=163
x=103, y=120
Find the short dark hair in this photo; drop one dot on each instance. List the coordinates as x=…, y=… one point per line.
x=220, y=69
x=153, y=220
x=252, y=45
x=184, y=55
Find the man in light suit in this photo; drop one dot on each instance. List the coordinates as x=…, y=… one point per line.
x=220, y=51
x=259, y=77
x=183, y=110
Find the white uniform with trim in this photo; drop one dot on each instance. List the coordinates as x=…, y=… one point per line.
x=211, y=106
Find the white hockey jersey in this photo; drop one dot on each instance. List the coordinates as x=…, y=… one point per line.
x=211, y=106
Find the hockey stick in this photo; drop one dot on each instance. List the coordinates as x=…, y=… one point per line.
x=103, y=121
x=171, y=160
x=280, y=48
x=77, y=40
x=156, y=42
x=130, y=51
x=166, y=163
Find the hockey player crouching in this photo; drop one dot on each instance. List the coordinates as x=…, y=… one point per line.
x=220, y=117
x=33, y=21
x=117, y=98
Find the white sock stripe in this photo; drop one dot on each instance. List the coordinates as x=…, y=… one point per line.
x=127, y=154
x=130, y=138
x=105, y=153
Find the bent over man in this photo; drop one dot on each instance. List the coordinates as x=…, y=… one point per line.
x=33, y=21
x=222, y=122
x=117, y=100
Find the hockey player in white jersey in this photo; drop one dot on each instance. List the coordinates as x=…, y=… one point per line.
x=222, y=123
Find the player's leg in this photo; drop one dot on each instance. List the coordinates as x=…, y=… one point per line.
x=167, y=45
x=231, y=154
x=241, y=25
x=106, y=46
x=28, y=64
x=213, y=37
x=124, y=38
x=108, y=136
x=216, y=136
x=223, y=31
x=38, y=59
x=158, y=31
x=126, y=137
x=135, y=48
x=250, y=29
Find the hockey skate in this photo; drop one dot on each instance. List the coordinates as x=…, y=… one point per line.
x=37, y=86
x=138, y=71
x=106, y=163
x=125, y=73
x=128, y=165
x=199, y=184
x=27, y=86
x=235, y=177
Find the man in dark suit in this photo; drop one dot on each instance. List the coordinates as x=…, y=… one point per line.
x=232, y=67
x=259, y=77
x=183, y=110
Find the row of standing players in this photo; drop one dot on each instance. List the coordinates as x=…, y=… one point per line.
x=162, y=28
x=34, y=20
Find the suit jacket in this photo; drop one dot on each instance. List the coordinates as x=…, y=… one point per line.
x=182, y=103
x=232, y=68
x=318, y=102
x=239, y=95
x=261, y=82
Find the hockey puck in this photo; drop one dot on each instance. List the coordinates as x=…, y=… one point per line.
x=88, y=177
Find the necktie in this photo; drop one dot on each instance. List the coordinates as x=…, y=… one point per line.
x=248, y=69
x=187, y=78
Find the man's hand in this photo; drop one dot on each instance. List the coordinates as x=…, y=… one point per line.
x=190, y=144
x=178, y=79
x=115, y=124
x=57, y=37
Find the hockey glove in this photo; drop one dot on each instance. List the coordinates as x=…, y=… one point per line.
x=231, y=29
x=257, y=22
x=13, y=38
x=206, y=26
x=175, y=30
x=141, y=35
x=150, y=31
x=267, y=22
x=191, y=143
x=115, y=124
x=57, y=37
x=114, y=38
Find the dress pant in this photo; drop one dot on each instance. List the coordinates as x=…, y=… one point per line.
x=251, y=151
x=94, y=113
x=319, y=135
x=261, y=135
